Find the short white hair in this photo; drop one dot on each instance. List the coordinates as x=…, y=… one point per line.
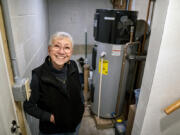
x=60, y=34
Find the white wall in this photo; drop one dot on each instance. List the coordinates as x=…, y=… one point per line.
x=30, y=32
x=161, y=83
x=141, y=6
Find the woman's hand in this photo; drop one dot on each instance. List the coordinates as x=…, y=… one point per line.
x=52, y=119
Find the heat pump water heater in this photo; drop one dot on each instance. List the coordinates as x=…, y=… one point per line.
x=111, y=32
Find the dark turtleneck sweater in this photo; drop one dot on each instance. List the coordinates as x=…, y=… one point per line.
x=60, y=75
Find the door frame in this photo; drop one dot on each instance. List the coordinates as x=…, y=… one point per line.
x=18, y=105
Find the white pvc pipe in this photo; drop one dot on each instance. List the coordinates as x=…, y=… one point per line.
x=16, y=75
x=100, y=84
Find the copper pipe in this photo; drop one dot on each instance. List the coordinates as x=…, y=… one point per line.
x=123, y=67
x=146, y=26
x=130, y=5
x=122, y=73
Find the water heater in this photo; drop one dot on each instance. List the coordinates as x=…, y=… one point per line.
x=111, y=32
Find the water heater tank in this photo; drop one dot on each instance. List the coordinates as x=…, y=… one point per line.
x=112, y=32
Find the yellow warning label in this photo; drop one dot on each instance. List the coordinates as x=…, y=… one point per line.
x=105, y=67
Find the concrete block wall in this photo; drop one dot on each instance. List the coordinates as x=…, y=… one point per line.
x=30, y=32
x=75, y=17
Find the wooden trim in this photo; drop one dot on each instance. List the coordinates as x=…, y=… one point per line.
x=7, y=55
x=18, y=105
x=173, y=107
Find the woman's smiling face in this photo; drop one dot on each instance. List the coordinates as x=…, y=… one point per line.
x=60, y=51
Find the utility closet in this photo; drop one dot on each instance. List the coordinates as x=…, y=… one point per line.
x=127, y=56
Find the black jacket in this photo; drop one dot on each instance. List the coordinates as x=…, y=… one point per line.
x=53, y=98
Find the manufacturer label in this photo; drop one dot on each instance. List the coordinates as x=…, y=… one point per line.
x=116, y=50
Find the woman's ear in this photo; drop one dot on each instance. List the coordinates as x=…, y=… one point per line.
x=49, y=47
x=72, y=50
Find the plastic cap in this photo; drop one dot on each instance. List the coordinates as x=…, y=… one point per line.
x=119, y=120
